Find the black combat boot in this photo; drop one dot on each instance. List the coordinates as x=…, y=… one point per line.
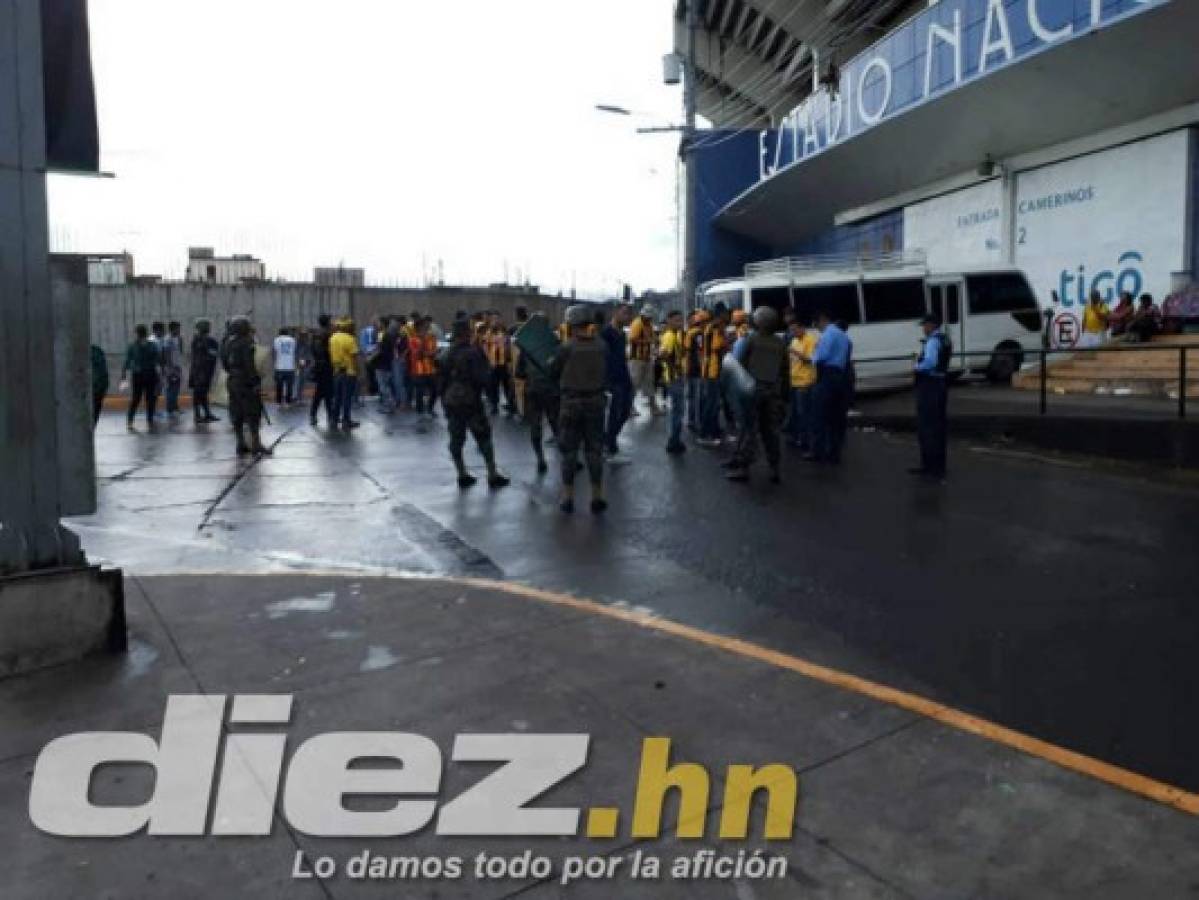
x=256, y=445
x=465, y=479
x=496, y=478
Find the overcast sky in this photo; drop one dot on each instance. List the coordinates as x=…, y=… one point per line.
x=386, y=134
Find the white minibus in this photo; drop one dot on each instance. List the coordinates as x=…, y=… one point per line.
x=991, y=314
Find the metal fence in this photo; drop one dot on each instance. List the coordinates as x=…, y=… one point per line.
x=1042, y=360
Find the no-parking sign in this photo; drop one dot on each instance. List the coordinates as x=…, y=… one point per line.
x=1067, y=328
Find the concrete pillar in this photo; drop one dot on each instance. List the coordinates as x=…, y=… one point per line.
x=31, y=536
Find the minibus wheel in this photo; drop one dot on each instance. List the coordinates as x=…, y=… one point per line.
x=1005, y=362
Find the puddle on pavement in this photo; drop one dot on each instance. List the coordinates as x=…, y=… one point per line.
x=378, y=658
x=139, y=659
x=321, y=603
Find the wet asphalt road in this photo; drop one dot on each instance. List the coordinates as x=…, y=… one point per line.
x=1058, y=598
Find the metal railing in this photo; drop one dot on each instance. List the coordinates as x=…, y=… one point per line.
x=837, y=262
x=1042, y=360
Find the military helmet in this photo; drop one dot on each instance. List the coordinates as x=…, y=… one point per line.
x=578, y=315
x=766, y=319
x=240, y=325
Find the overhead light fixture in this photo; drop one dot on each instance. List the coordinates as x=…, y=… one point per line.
x=830, y=79
x=989, y=168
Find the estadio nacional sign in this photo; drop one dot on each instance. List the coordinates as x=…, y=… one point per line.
x=951, y=43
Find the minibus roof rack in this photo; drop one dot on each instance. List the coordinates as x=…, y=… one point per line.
x=838, y=262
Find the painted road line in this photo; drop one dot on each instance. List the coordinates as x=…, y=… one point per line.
x=1107, y=773
x=1067, y=759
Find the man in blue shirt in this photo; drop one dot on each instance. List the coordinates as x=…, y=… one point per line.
x=932, y=400
x=619, y=383
x=831, y=395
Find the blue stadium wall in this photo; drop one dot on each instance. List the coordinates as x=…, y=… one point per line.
x=728, y=165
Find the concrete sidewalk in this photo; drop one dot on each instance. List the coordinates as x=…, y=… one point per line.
x=892, y=804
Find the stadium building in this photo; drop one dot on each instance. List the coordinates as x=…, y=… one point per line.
x=1057, y=136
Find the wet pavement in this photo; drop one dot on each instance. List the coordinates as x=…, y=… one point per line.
x=1058, y=598
x=1051, y=596
x=892, y=804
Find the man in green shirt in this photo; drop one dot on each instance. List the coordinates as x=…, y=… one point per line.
x=143, y=362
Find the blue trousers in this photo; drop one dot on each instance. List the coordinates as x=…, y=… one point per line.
x=693, y=405
x=709, y=401
x=676, y=392
x=831, y=419
x=344, y=388
x=799, y=427
x=620, y=405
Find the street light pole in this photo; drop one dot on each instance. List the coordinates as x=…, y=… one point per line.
x=690, y=165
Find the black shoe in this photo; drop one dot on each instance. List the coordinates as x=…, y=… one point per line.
x=918, y=471
x=243, y=450
x=466, y=481
x=738, y=473
x=350, y=425
x=567, y=506
x=676, y=449
x=312, y=421
x=542, y=466
x=598, y=505
x=775, y=477
x=263, y=451
x=497, y=481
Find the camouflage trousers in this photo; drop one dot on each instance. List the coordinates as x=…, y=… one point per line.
x=473, y=419
x=245, y=404
x=541, y=406
x=581, y=424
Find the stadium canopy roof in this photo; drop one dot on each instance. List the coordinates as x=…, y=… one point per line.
x=755, y=57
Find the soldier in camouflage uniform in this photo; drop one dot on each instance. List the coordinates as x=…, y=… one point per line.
x=542, y=400
x=763, y=354
x=580, y=369
x=463, y=374
x=244, y=386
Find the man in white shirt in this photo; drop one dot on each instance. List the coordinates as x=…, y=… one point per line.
x=284, y=355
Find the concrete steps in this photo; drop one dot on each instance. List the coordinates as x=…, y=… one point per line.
x=1130, y=371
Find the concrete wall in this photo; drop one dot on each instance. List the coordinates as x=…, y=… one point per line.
x=115, y=310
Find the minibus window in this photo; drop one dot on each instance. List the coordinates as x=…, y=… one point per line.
x=839, y=300
x=778, y=298
x=1001, y=293
x=894, y=301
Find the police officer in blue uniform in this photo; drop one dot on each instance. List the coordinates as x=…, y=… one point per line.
x=932, y=399
x=833, y=392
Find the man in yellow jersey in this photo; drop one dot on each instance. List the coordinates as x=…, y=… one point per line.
x=800, y=350
x=714, y=347
x=642, y=344
x=498, y=354
x=693, y=343
x=343, y=356
x=672, y=355
x=1094, y=321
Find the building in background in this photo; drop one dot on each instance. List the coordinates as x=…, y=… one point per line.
x=109, y=268
x=339, y=276
x=204, y=266
x=1025, y=133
